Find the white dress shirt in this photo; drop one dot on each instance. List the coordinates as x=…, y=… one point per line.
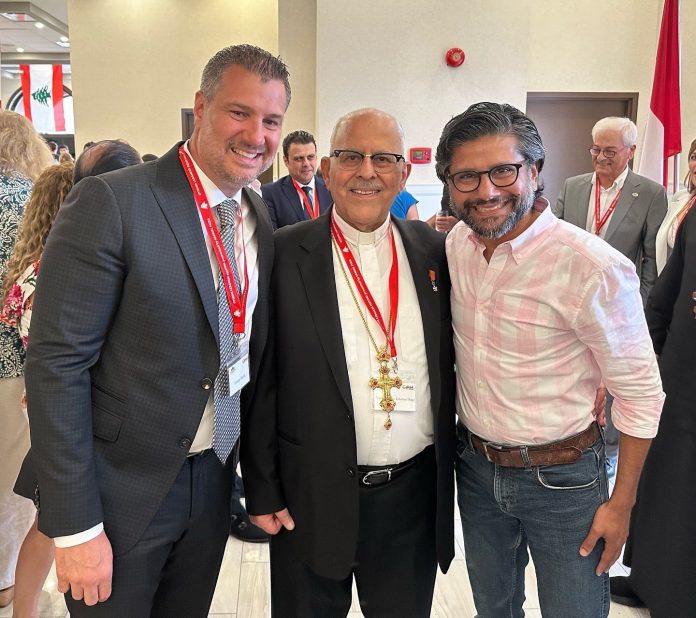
x=411, y=432
x=606, y=197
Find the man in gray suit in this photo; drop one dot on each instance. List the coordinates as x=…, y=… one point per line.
x=154, y=279
x=621, y=207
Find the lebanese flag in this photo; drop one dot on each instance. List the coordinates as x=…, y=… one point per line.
x=662, y=138
x=42, y=96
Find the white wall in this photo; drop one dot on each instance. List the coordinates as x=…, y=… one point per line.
x=390, y=54
x=366, y=56
x=135, y=64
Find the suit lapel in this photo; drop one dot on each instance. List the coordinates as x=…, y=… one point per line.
x=629, y=194
x=175, y=198
x=428, y=300
x=582, y=202
x=264, y=236
x=317, y=273
x=325, y=200
x=293, y=198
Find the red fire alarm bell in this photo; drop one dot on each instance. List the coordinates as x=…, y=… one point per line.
x=419, y=155
x=454, y=57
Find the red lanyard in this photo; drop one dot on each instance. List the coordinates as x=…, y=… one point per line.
x=236, y=299
x=599, y=222
x=363, y=290
x=312, y=210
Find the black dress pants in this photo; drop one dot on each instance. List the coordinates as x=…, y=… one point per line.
x=395, y=563
x=172, y=570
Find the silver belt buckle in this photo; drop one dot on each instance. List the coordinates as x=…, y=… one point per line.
x=494, y=447
x=375, y=473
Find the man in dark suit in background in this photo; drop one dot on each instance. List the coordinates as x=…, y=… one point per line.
x=300, y=195
x=136, y=375
x=348, y=454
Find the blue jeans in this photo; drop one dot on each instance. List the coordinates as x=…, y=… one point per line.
x=547, y=509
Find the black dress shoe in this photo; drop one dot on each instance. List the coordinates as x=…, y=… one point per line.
x=242, y=529
x=622, y=593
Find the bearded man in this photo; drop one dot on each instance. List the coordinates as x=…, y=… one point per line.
x=543, y=312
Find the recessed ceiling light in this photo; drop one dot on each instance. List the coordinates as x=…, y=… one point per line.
x=20, y=50
x=39, y=25
x=64, y=39
x=63, y=43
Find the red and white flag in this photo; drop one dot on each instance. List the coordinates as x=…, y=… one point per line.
x=662, y=138
x=42, y=96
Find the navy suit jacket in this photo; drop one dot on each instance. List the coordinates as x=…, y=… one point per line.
x=285, y=206
x=124, y=347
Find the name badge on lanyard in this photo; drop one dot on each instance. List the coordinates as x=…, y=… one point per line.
x=238, y=366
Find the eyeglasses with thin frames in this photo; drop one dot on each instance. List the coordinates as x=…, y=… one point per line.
x=500, y=176
x=351, y=160
x=608, y=153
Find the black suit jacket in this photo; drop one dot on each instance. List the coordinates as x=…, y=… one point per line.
x=285, y=206
x=124, y=347
x=298, y=445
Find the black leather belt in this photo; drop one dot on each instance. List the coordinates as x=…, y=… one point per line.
x=372, y=476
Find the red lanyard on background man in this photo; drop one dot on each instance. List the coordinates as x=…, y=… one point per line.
x=313, y=211
x=599, y=222
x=236, y=299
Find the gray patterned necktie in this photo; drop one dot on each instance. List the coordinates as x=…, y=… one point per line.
x=308, y=192
x=227, y=406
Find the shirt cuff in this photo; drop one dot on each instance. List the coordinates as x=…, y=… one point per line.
x=79, y=538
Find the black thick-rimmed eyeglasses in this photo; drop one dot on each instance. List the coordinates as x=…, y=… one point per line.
x=502, y=175
x=351, y=160
x=609, y=154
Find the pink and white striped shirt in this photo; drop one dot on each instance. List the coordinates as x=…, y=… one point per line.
x=554, y=313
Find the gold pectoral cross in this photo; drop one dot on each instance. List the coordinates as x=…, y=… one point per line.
x=386, y=383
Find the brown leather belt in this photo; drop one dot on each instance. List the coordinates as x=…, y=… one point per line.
x=563, y=451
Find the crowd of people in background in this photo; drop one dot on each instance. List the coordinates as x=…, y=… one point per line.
x=323, y=357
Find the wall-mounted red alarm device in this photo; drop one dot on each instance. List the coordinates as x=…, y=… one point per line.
x=455, y=57
x=419, y=155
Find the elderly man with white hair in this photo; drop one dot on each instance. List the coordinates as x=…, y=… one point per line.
x=621, y=207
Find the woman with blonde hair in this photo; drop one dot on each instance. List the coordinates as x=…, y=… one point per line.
x=50, y=189
x=23, y=155
x=679, y=206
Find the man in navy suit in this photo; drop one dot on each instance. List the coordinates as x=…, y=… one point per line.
x=300, y=195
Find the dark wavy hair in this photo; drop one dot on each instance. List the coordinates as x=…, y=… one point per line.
x=483, y=119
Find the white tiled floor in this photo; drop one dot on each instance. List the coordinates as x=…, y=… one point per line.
x=243, y=589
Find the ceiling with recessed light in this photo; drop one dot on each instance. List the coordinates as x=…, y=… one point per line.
x=34, y=31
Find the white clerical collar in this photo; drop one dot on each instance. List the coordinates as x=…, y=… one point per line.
x=356, y=237
x=618, y=182
x=212, y=192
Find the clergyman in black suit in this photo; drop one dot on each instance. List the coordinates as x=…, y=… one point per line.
x=300, y=195
x=348, y=452
x=130, y=451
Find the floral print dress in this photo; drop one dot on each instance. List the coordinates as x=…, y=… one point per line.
x=19, y=301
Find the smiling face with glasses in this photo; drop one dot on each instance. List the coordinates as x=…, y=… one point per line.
x=610, y=155
x=365, y=170
x=492, y=187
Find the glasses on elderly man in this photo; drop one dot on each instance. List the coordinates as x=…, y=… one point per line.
x=351, y=160
x=501, y=176
x=609, y=153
